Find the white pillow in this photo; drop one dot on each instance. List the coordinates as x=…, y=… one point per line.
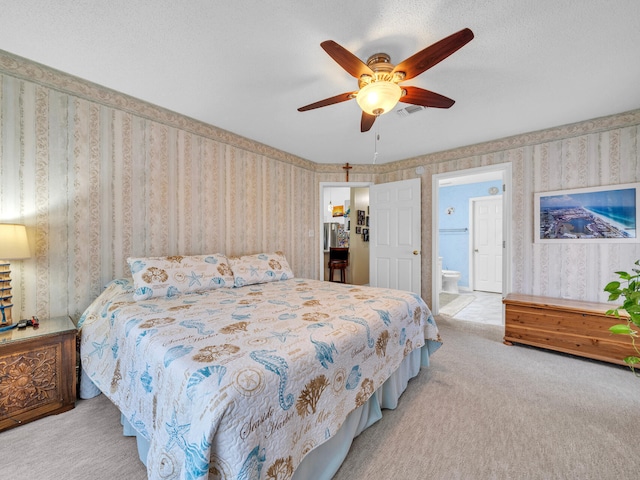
x=259, y=268
x=175, y=275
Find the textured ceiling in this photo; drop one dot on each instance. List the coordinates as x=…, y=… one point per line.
x=247, y=66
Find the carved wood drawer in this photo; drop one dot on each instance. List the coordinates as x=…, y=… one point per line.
x=37, y=371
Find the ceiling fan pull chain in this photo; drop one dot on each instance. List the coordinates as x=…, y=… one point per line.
x=375, y=143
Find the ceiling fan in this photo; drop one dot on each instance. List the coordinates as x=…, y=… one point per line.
x=378, y=90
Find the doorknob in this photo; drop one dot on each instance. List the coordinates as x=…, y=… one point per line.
x=475, y=250
x=416, y=252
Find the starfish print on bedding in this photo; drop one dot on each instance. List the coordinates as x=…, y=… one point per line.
x=282, y=336
x=99, y=348
x=176, y=433
x=248, y=379
x=194, y=279
x=132, y=374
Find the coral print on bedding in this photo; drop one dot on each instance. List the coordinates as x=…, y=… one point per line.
x=241, y=383
x=175, y=275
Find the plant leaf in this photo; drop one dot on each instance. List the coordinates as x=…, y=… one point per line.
x=612, y=286
x=621, y=329
x=614, y=296
x=624, y=275
x=635, y=318
x=631, y=360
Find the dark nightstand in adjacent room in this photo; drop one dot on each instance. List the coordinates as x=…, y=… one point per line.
x=37, y=371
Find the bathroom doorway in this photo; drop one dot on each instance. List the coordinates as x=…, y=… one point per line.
x=453, y=245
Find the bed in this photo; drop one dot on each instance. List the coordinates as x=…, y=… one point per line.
x=232, y=368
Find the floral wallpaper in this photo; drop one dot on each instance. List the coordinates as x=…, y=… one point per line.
x=98, y=176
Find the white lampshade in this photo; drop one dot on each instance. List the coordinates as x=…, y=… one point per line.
x=13, y=242
x=378, y=97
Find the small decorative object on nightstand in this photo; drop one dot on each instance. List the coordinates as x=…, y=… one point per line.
x=37, y=371
x=13, y=246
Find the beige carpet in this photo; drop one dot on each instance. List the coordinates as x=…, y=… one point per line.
x=451, y=303
x=483, y=410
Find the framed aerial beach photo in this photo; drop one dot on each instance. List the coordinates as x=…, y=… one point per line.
x=596, y=214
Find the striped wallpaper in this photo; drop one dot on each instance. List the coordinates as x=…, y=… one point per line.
x=98, y=176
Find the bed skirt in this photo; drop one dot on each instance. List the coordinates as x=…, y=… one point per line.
x=323, y=462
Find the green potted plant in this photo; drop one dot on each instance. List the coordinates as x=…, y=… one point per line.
x=631, y=305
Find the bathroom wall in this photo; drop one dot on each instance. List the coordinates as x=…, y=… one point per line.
x=454, y=215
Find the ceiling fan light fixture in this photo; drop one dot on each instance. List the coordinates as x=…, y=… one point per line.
x=379, y=97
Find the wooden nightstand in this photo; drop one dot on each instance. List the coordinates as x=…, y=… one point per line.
x=37, y=371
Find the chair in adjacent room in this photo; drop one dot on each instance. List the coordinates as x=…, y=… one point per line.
x=338, y=260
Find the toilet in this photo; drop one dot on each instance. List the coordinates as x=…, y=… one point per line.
x=450, y=281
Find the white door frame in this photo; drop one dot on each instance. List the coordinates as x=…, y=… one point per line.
x=320, y=244
x=506, y=170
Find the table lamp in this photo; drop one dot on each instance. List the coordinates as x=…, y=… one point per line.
x=13, y=246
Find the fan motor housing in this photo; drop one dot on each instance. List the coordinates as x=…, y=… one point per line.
x=380, y=64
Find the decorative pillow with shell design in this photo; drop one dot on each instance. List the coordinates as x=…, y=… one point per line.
x=259, y=268
x=175, y=275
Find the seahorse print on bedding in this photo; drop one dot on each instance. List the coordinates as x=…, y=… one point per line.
x=405, y=302
x=362, y=322
x=279, y=366
x=198, y=325
x=384, y=316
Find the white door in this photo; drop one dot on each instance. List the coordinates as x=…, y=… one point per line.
x=395, y=235
x=487, y=244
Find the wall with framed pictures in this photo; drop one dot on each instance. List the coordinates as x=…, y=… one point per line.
x=586, y=215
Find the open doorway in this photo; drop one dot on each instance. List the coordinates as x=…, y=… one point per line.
x=342, y=227
x=469, y=250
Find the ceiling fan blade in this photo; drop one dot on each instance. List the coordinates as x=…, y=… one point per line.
x=343, y=97
x=426, y=98
x=434, y=54
x=367, y=122
x=347, y=60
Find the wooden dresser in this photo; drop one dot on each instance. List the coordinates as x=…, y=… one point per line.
x=37, y=371
x=569, y=326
